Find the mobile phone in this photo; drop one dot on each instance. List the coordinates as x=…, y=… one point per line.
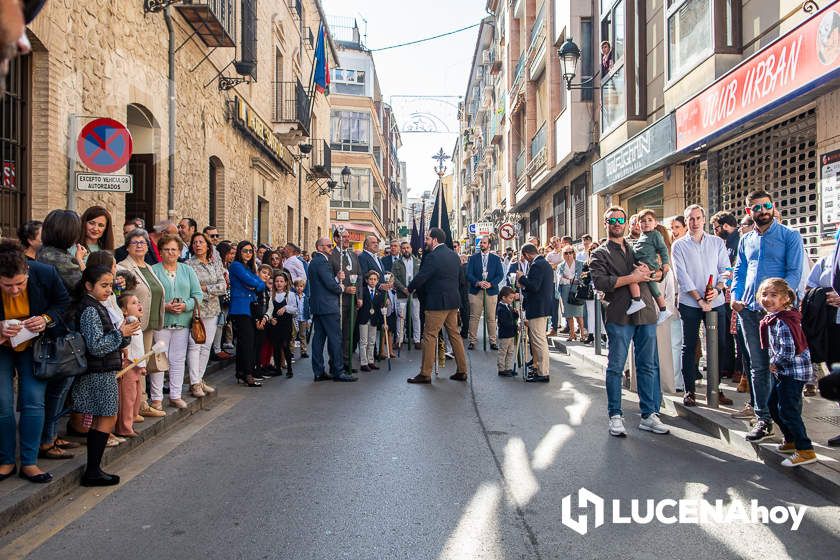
x=177, y=300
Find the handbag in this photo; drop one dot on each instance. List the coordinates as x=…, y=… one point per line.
x=585, y=289
x=197, y=331
x=572, y=298
x=157, y=363
x=59, y=357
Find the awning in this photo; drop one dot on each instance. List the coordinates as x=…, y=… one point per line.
x=354, y=226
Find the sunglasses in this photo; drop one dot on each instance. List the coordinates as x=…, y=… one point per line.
x=755, y=208
x=247, y=251
x=215, y=235
x=568, y=252
x=614, y=221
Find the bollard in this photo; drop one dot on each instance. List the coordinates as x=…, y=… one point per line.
x=598, y=348
x=712, y=364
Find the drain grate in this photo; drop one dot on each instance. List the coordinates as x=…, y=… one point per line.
x=830, y=419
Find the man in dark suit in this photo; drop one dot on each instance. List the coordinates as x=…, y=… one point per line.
x=343, y=258
x=538, y=289
x=439, y=277
x=484, y=274
x=325, y=289
x=392, y=256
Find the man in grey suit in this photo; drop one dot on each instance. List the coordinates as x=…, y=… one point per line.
x=344, y=258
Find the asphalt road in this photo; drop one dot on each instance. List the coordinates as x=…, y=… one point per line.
x=381, y=469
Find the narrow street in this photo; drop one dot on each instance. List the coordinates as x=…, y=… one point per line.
x=381, y=469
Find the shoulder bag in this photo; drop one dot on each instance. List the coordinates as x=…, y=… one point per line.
x=197, y=331
x=59, y=357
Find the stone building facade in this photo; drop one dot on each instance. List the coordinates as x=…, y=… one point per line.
x=235, y=160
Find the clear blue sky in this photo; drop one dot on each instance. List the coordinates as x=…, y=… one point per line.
x=439, y=67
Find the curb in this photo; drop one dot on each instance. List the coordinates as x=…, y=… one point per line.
x=817, y=477
x=27, y=498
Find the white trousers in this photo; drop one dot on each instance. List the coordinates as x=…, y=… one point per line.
x=367, y=343
x=199, y=354
x=415, y=319
x=176, y=351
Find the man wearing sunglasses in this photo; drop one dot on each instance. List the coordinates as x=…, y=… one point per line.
x=213, y=233
x=613, y=269
x=769, y=250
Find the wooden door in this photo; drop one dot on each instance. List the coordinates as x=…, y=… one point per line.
x=141, y=203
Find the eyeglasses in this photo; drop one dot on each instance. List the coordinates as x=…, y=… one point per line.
x=568, y=252
x=138, y=243
x=614, y=221
x=756, y=208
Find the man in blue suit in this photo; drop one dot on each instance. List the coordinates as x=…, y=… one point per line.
x=484, y=274
x=325, y=289
x=538, y=292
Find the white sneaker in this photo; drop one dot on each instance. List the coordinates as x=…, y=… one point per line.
x=653, y=424
x=663, y=316
x=617, y=426
x=635, y=305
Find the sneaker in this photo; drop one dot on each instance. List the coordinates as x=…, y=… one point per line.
x=653, y=424
x=745, y=413
x=800, y=457
x=761, y=431
x=617, y=426
x=635, y=305
x=786, y=447
x=662, y=317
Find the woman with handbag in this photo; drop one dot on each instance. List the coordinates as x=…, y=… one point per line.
x=568, y=278
x=244, y=286
x=33, y=297
x=59, y=232
x=181, y=294
x=149, y=291
x=211, y=278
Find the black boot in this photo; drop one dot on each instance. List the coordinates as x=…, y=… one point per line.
x=94, y=476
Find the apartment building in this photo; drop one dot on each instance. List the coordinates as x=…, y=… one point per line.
x=365, y=138
x=527, y=142
x=705, y=100
x=216, y=95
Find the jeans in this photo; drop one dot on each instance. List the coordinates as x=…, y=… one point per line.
x=786, y=409
x=555, y=314
x=759, y=361
x=691, y=319
x=176, y=350
x=31, y=399
x=199, y=354
x=647, y=366
x=326, y=329
x=54, y=407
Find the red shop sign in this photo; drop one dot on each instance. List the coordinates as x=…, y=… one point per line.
x=797, y=62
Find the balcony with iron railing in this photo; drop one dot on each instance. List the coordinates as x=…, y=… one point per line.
x=517, y=75
x=296, y=7
x=213, y=21
x=538, y=30
x=291, y=109
x=519, y=167
x=538, y=151
x=320, y=160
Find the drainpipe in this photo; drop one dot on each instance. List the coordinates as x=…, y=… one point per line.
x=170, y=198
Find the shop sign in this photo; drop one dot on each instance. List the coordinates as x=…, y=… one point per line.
x=830, y=187
x=797, y=62
x=104, y=183
x=484, y=228
x=261, y=133
x=640, y=153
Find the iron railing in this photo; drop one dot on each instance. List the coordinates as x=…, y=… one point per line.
x=538, y=141
x=321, y=160
x=520, y=164
x=291, y=104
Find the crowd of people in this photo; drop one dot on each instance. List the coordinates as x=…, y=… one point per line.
x=155, y=310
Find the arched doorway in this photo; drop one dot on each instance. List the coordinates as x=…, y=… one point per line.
x=144, y=133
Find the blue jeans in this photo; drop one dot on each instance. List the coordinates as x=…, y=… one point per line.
x=691, y=319
x=786, y=409
x=762, y=382
x=31, y=398
x=326, y=329
x=647, y=366
x=54, y=409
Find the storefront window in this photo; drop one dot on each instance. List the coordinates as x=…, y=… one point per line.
x=653, y=198
x=689, y=34
x=613, y=100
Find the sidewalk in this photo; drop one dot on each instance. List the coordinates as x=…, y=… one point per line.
x=19, y=498
x=822, y=420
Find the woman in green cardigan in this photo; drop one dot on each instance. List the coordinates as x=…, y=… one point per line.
x=181, y=292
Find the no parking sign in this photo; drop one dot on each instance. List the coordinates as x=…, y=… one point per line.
x=104, y=145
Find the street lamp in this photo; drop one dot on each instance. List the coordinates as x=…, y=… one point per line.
x=569, y=55
x=345, y=177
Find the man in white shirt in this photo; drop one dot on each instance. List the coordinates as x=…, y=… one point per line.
x=404, y=269
x=293, y=264
x=696, y=257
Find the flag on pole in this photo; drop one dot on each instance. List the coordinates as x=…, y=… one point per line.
x=416, y=242
x=440, y=217
x=322, y=65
